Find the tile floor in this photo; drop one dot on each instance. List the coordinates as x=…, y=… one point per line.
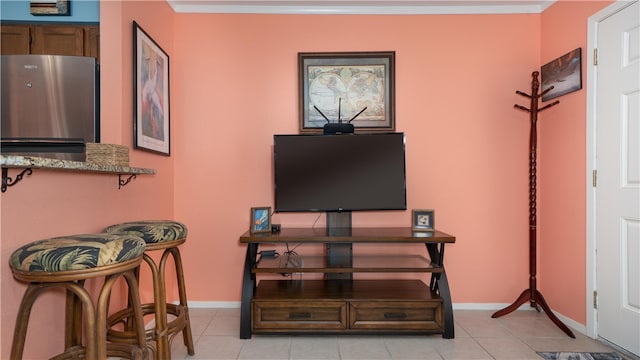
x=514, y=336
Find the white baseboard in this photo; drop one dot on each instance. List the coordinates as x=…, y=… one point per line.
x=526, y=307
x=486, y=306
x=213, y=304
x=582, y=329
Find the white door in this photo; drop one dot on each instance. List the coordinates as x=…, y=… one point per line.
x=617, y=193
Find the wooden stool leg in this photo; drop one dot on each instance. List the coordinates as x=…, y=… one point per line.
x=129, y=321
x=89, y=318
x=130, y=324
x=163, y=349
x=134, y=296
x=186, y=332
x=22, y=321
x=100, y=325
x=103, y=309
x=30, y=295
x=73, y=327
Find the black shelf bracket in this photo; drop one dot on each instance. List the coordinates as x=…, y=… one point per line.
x=8, y=181
x=122, y=182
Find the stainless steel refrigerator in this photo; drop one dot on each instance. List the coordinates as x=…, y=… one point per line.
x=50, y=105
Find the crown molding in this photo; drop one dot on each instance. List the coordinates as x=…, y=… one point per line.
x=362, y=7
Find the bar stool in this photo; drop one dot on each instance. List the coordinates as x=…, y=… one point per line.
x=66, y=262
x=165, y=235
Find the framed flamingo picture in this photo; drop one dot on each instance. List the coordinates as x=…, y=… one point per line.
x=151, y=94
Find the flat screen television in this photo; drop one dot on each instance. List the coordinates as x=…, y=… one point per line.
x=339, y=173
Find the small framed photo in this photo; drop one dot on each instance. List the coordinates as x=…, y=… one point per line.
x=260, y=220
x=423, y=220
x=50, y=7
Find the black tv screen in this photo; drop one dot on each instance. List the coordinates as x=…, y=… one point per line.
x=339, y=172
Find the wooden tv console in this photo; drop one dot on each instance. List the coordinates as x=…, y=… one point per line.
x=344, y=305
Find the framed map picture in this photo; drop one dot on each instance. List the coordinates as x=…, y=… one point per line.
x=347, y=87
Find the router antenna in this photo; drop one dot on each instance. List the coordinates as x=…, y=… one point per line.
x=318, y=110
x=339, y=103
x=358, y=114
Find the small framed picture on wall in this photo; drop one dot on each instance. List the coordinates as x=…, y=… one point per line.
x=260, y=220
x=423, y=220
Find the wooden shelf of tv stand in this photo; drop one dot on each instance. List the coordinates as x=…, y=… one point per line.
x=360, y=264
x=347, y=306
x=352, y=235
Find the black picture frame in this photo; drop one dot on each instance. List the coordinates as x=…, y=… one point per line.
x=348, y=87
x=151, y=113
x=563, y=73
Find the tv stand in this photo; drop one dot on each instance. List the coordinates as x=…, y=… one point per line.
x=344, y=305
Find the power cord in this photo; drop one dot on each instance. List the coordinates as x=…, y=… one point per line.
x=291, y=251
x=314, y=223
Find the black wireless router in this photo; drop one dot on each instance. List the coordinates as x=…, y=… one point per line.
x=338, y=128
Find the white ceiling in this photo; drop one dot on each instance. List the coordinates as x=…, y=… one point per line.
x=395, y=7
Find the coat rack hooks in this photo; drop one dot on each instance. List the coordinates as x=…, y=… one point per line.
x=532, y=294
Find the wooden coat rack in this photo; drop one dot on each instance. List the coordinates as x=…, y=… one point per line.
x=532, y=294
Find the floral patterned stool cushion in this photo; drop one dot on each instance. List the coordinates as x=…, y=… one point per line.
x=76, y=253
x=66, y=262
x=165, y=235
x=158, y=234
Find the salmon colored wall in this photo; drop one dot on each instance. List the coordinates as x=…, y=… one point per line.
x=50, y=203
x=467, y=148
x=562, y=168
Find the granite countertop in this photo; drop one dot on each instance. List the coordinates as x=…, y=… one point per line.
x=17, y=161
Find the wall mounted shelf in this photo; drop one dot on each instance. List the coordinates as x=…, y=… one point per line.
x=28, y=163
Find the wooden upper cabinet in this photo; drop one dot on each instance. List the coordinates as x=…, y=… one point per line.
x=58, y=40
x=51, y=39
x=92, y=42
x=15, y=39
